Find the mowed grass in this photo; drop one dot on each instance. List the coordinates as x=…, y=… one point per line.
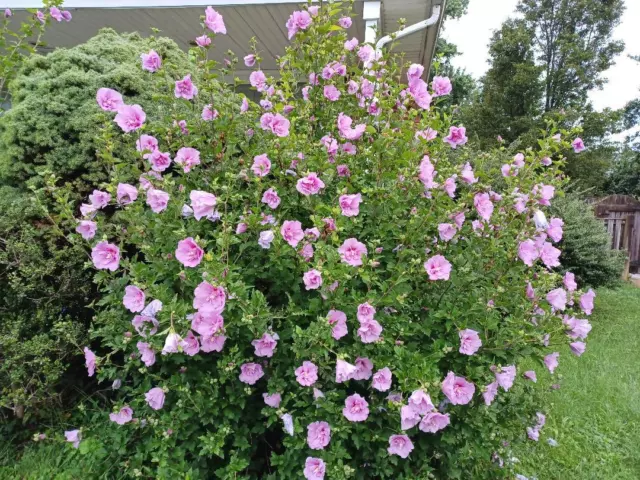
x=595, y=415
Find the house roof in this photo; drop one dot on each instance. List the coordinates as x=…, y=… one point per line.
x=263, y=19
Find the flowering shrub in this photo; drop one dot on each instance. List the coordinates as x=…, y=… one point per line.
x=324, y=284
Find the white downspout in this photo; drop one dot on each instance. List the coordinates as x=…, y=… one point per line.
x=416, y=27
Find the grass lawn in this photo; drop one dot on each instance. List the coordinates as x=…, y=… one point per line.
x=595, y=415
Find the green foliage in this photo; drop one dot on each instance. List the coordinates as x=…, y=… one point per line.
x=585, y=245
x=214, y=424
x=53, y=118
x=597, y=429
x=624, y=176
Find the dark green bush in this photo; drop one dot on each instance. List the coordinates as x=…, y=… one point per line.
x=585, y=246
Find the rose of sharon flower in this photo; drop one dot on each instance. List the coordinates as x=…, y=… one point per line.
x=151, y=62
x=530, y=375
x=87, y=229
x=147, y=355
x=271, y=198
x=364, y=369
x=90, y=361
x=272, y=400
x=155, y=398
x=570, y=281
x=73, y=437
x=203, y=41
x=351, y=252
x=467, y=175
x=309, y=185
x=344, y=371
x=250, y=373
x=202, y=203
x=400, y=445
x=434, y=421
x=483, y=205
x=420, y=402
x=586, y=302
x=578, y=145
x=441, y=86
x=185, y=88
x=109, y=100
x=157, y=200
x=557, y=298
x=369, y=331
x=577, y=348
x=125, y=415
x=350, y=204
x=438, y=268
x=261, y=165
x=314, y=469
x=209, y=298
x=356, y=408
x=189, y=252
x=265, y=345
x=207, y=324
x=214, y=21
x=318, y=435
x=265, y=239
x=382, y=379
x=307, y=374
x=133, y=298
x=339, y=321
x=212, y=344
x=130, y=117
x=106, y=256
x=490, y=393
x=190, y=344
x=126, y=193
x=278, y=124
x=298, y=20
x=457, y=389
x=551, y=361
x=312, y=279
x=188, y=158
x=409, y=418
x=446, y=231
x=457, y=136
x=506, y=376
x=292, y=233
x=366, y=312
x=528, y=252
x=470, y=341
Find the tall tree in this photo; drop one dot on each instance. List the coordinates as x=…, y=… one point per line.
x=574, y=45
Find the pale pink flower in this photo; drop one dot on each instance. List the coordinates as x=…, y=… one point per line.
x=441, y=86
x=271, y=198
x=87, y=229
x=155, y=398
x=185, y=88
x=207, y=324
x=446, y=231
x=106, y=256
x=203, y=40
x=209, y=298
x=139, y=323
x=352, y=251
x=427, y=134
x=578, y=145
x=265, y=238
x=190, y=344
x=344, y=371
x=273, y=400
x=55, y=13
x=160, y=161
x=449, y=186
x=133, y=299
x=292, y=233
x=420, y=402
x=278, y=124
x=555, y=229
x=530, y=292
x=570, y=282
x=312, y=279
x=350, y=45
x=438, y=268
x=457, y=389
x=578, y=328
x=586, y=302
x=125, y=415
x=350, y=204
x=146, y=143
x=250, y=373
x=434, y=422
x=467, y=175
x=73, y=436
x=550, y=255
x=506, y=376
x=244, y=106
x=344, y=22
x=130, y=117
x=483, y=205
x=109, y=100
x=258, y=80
x=344, y=126
x=188, y=158
x=151, y=62
x=261, y=165
x=490, y=393
x=189, y=252
x=470, y=341
x=310, y=185
x=530, y=375
x=265, y=345
x=331, y=93
x=314, y=468
x=318, y=435
x=356, y=408
x=157, y=200
x=250, y=60
x=369, y=331
x=298, y=20
x=577, y=348
x=409, y=417
x=551, y=361
x=209, y=113
x=364, y=369
x=214, y=21
x=90, y=361
x=339, y=321
x=400, y=445
x=172, y=344
x=557, y=298
x=99, y=199
x=528, y=252
x=366, y=312
x=426, y=172
x=419, y=90
x=457, y=136
x=126, y=193
x=212, y=344
x=307, y=374
x=382, y=379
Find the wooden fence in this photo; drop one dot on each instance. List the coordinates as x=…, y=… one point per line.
x=621, y=217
